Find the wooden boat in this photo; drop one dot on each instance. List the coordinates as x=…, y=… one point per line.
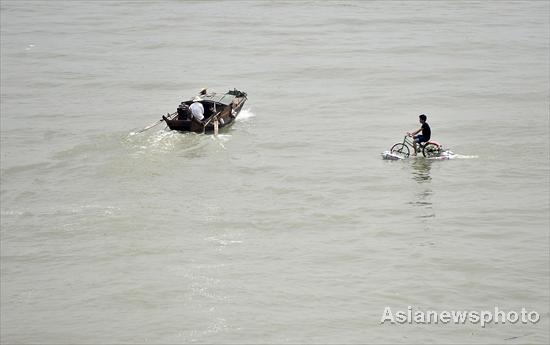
x=220, y=110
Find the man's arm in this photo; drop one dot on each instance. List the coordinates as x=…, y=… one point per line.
x=415, y=132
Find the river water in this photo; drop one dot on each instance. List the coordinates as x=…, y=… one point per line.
x=288, y=227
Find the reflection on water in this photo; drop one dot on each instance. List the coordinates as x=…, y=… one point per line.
x=421, y=170
x=421, y=173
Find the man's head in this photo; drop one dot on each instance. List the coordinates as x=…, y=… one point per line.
x=422, y=118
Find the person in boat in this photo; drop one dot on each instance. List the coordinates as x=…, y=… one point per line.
x=426, y=132
x=183, y=111
x=202, y=92
x=197, y=109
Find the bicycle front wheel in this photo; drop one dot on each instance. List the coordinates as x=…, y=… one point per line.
x=431, y=150
x=400, y=150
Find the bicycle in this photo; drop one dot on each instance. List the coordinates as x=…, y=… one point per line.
x=429, y=149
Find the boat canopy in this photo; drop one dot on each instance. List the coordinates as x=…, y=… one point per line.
x=224, y=99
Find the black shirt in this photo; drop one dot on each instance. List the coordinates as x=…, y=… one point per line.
x=426, y=131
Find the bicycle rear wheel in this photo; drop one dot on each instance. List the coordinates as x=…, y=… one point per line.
x=431, y=150
x=400, y=150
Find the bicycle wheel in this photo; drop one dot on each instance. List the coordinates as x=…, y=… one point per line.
x=431, y=150
x=400, y=150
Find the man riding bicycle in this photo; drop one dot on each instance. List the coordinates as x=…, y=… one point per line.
x=426, y=133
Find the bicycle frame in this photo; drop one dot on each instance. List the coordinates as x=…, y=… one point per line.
x=408, y=141
x=428, y=149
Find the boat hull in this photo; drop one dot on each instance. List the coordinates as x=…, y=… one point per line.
x=224, y=113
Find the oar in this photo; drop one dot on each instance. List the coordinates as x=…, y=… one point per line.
x=216, y=127
x=211, y=118
x=155, y=123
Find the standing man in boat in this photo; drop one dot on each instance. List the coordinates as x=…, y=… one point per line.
x=197, y=110
x=426, y=132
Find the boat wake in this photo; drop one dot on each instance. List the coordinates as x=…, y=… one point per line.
x=245, y=115
x=162, y=141
x=167, y=141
